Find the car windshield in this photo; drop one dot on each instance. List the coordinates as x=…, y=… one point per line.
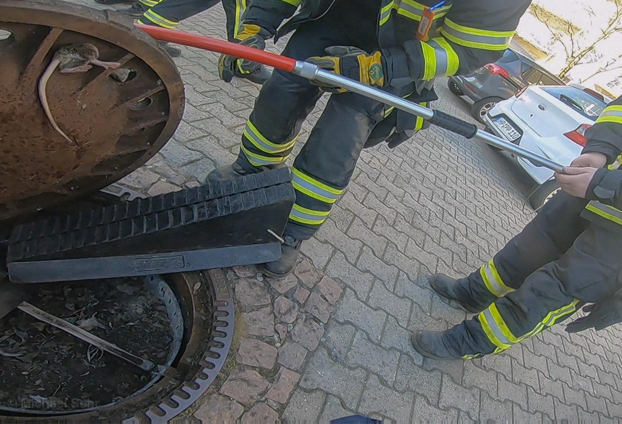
x=582, y=102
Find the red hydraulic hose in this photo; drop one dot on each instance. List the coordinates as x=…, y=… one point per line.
x=224, y=47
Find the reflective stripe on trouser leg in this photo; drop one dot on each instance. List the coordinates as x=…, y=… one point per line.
x=152, y=18
x=149, y=3
x=260, y=151
x=314, y=200
x=493, y=281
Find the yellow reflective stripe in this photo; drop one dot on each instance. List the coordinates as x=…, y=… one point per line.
x=420, y=120
x=502, y=325
x=490, y=332
x=259, y=160
x=149, y=3
x=314, y=188
x=159, y=20
x=493, y=281
x=308, y=216
x=240, y=6
x=616, y=164
x=453, y=61
x=385, y=13
x=293, y=2
x=429, y=58
x=476, y=38
x=440, y=59
x=253, y=135
x=608, y=212
x=612, y=114
x=552, y=318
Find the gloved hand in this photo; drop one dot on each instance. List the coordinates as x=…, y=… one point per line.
x=601, y=315
x=353, y=63
x=252, y=36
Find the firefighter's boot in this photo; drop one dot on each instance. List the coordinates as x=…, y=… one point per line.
x=224, y=173
x=433, y=345
x=285, y=265
x=448, y=288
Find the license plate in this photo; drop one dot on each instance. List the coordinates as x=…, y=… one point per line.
x=507, y=129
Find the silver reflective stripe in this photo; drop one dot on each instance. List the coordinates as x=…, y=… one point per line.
x=442, y=61
x=261, y=144
x=317, y=220
x=492, y=324
x=477, y=39
x=608, y=212
x=306, y=185
x=610, y=113
x=411, y=9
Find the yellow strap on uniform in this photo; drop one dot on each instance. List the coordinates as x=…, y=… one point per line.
x=314, y=188
x=149, y=3
x=612, y=114
x=440, y=58
x=616, y=164
x=476, y=38
x=293, y=2
x=420, y=120
x=253, y=135
x=308, y=216
x=493, y=281
x=240, y=7
x=159, y=20
x=608, y=212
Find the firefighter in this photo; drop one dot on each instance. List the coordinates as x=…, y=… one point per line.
x=168, y=14
x=398, y=46
x=568, y=255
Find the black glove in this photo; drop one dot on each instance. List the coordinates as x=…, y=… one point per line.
x=251, y=36
x=601, y=315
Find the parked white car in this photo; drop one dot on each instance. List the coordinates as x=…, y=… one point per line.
x=550, y=121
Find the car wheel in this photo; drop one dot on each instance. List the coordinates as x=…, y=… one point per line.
x=453, y=87
x=543, y=194
x=482, y=107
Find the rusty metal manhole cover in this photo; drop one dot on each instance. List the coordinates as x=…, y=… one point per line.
x=117, y=126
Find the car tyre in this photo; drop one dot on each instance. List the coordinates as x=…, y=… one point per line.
x=453, y=87
x=543, y=194
x=481, y=107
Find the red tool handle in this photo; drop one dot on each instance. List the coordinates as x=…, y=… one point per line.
x=219, y=46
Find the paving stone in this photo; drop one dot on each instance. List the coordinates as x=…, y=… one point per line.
x=543, y=349
x=301, y=295
x=177, y=155
x=198, y=169
x=494, y=411
x=360, y=231
x=308, y=333
x=370, y=263
x=216, y=408
x=319, y=253
x=318, y=307
x=426, y=259
x=140, y=178
x=256, y=353
x=566, y=412
x=606, y=377
x=251, y=293
x=453, y=369
x=614, y=410
x=602, y=390
x=248, y=271
x=453, y=395
x=360, y=282
x=283, y=285
x=367, y=355
x=523, y=417
x=441, y=310
x=540, y=403
x=281, y=330
x=334, y=410
x=387, y=402
x=245, y=386
x=325, y=374
x=595, y=404
x=559, y=373
x=395, y=257
x=381, y=298
x=338, y=338
x=360, y=315
x=516, y=352
x=567, y=360
x=587, y=417
x=330, y=289
x=350, y=247
x=260, y=413
x=284, y=384
x=161, y=168
x=397, y=337
x=285, y=310
x=425, y=413
x=587, y=370
x=551, y=387
x=411, y=377
x=500, y=363
x=507, y=390
x=524, y=375
x=535, y=362
x=420, y=320
x=260, y=322
x=292, y=355
x=304, y=407
x=576, y=397
x=308, y=274
x=410, y=290
x=162, y=187
x=482, y=379
x=580, y=382
x=383, y=227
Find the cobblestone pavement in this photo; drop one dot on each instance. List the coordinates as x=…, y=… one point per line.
x=438, y=203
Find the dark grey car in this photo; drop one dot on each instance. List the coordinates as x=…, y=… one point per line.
x=499, y=81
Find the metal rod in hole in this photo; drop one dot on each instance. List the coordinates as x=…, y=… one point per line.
x=90, y=338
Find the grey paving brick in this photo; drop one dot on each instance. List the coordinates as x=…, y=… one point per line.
x=614, y=409
x=395, y=257
x=551, y=387
x=304, y=407
x=567, y=361
x=602, y=390
x=477, y=377
x=606, y=420
x=325, y=374
x=588, y=370
x=369, y=262
x=452, y=369
x=348, y=201
x=441, y=310
x=494, y=411
x=420, y=320
x=387, y=402
x=521, y=416
x=360, y=231
x=372, y=357
x=383, y=227
x=422, y=296
x=580, y=382
x=411, y=377
x=177, y=155
x=566, y=412
x=319, y=253
x=595, y=404
x=524, y=375
x=364, y=180
x=371, y=201
x=606, y=377
x=516, y=352
x=574, y=397
x=500, y=363
x=341, y=217
x=617, y=395
x=453, y=395
x=587, y=417
x=397, y=337
x=426, y=413
x=333, y=410
x=558, y=373
x=338, y=339
x=506, y=390
x=541, y=403
x=542, y=349
x=360, y=315
x=329, y=233
x=572, y=349
x=426, y=258
x=381, y=298
x=535, y=362
x=340, y=268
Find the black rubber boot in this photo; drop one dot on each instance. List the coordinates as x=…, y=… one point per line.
x=228, y=172
x=111, y=2
x=285, y=265
x=172, y=50
x=259, y=76
x=432, y=344
x=136, y=10
x=446, y=286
